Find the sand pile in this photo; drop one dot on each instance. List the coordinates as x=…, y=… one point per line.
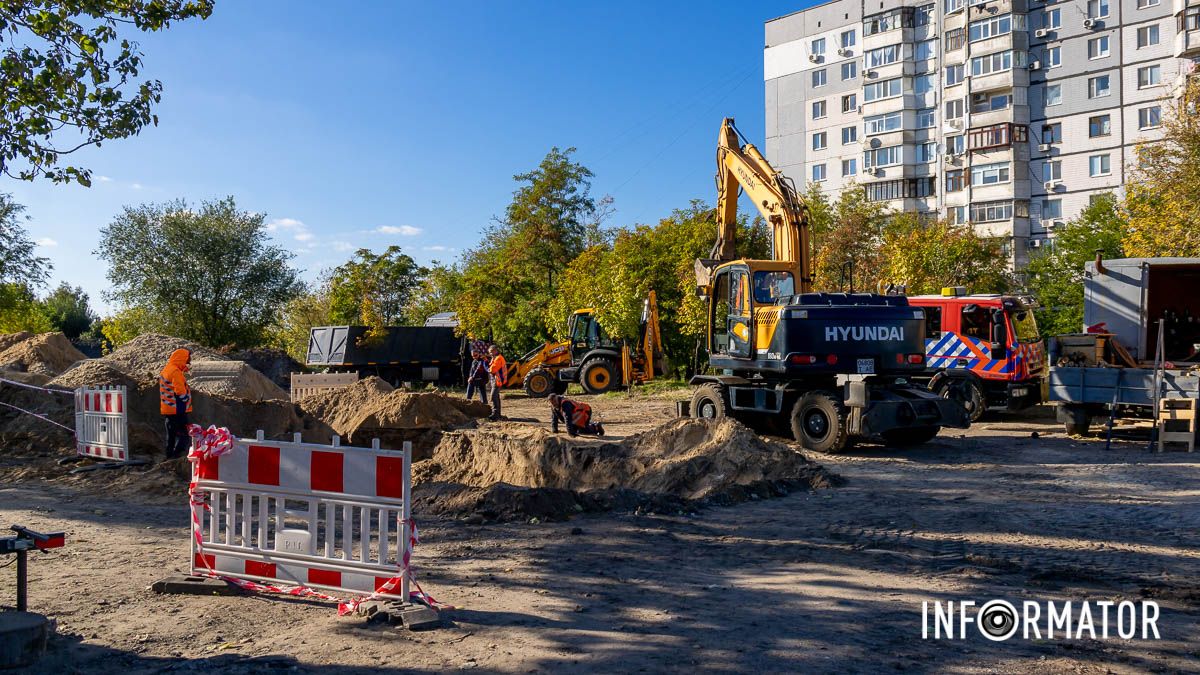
x=9, y=339
x=45, y=354
x=371, y=408
x=276, y=364
x=233, y=378
x=144, y=356
x=679, y=463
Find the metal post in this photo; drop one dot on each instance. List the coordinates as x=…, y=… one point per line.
x=406, y=534
x=22, y=580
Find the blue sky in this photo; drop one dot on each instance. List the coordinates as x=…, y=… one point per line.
x=403, y=123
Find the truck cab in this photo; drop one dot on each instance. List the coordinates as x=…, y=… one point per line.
x=988, y=345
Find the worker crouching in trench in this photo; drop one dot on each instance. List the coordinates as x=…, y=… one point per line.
x=576, y=415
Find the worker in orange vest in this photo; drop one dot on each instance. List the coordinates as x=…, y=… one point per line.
x=576, y=414
x=175, y=402
x=497, y=378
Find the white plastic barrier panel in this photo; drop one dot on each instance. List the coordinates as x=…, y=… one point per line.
x=102, y=423
x=316, y=516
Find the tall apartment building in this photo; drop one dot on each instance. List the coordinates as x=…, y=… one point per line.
x=1007, y=114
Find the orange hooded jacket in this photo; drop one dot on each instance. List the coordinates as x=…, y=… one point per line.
x=172, y=383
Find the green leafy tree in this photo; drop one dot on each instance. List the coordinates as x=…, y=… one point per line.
x=68, y=311
x=373, y=289
x=1055, y=274
x=20, y=310
x=848, y=239
x=68, y=78
x=21, y=271
x=614, y=280
x=927, y=256
x=291, y=329
x=437, y=293
x=509, y=280
x=209, y=274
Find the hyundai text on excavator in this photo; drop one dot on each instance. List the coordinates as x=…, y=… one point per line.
x=777, y=350
x=591, y=358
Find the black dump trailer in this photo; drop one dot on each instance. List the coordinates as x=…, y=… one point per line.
x=412, y=354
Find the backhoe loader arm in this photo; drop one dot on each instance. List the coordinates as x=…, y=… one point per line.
x=742, y=165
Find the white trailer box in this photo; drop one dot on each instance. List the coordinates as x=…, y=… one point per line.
x=1127, y=296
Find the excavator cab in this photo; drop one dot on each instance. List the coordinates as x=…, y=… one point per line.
x=586, y=333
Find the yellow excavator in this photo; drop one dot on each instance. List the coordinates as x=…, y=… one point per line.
x=831, y=366
x=589, y=357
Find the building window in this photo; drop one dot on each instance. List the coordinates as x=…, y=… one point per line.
x=1149, y=76
x=1053, y=57
x=957, y=215
x=954, y=74
x=849, y=103
x=926, y=50
x=882, y=23
x=1097, y=9
x=1052, y=133
x=880, y=124
x=956, y=180
x=956, y=145
x=848, y=39
x=997, y=136
x=1150, y=118
x=1098, y=47
x=1051, y=209
x=1143, y=4
x=923, y=84
x=991, y=174
x=818, y=173
x=982, y=103
x=952, y=6
x=1098, y=86
x=1052, y=19
x=818, y=47
x=818, y=109
x=1147, y=36
x=849, y=135
x=1099, y=165
x=818, y=78
x=849, y=70
x=879, y=157
x=994, y=26
x=1052, y=170
x=881, y=90
x=926, y=153
x=819, y=141
x=955, y=39
x=924, y=15
x=991, y=212
x=995, y=63
x=926, y=118
x=899, y=189
x=1100, y=125
x=1053, y=94
x=849, y=167
x=1191, y=18
x=883, y=56
x=955, y=109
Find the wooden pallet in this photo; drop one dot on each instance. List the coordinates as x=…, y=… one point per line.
x=1177, y=423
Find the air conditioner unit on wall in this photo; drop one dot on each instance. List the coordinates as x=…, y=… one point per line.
x=870, y=74
x=1035, y=65
x=1089, y=23
x=842, y=51
x=1045, y=147
x=815, y=58
x=1041, y=32
x=1051, y=185
x=1035, y=243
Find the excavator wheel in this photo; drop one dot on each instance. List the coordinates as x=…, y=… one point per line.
x=708, y=402
x=539, y=383
x=819, y=422
x=598, y=376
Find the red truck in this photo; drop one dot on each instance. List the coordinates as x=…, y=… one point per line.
x=987, y=344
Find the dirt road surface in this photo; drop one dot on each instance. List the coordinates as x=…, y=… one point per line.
x=825, y=581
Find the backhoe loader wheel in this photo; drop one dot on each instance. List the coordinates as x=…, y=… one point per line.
x=539, y=383
x=819, y=422
x=708, y=402
x=598, y=376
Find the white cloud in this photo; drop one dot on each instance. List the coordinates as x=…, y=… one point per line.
x=438, y=248
x=136, y=186
x=103, y=179
x=405, y=230
x=304, y=236
x=285, y=224
x=343, y=246
x=46, y=241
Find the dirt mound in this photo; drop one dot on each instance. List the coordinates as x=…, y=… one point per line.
x=276, y=364
x=371, y=408
x=679, y=463
x=45, y=354
x=144, y=356
x=9, y=339
x=93, y=373
x=233, y=378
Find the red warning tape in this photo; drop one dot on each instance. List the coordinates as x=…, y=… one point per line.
x=216, y=441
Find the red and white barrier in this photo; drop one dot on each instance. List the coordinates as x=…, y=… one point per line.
x=102, y=423
x=304, y=515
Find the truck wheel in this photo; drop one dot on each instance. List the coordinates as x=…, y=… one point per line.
x=598, y=376
x=539, y=383
x=708, y=402
x=903, y=438
x=969, y=393
x=819, y=422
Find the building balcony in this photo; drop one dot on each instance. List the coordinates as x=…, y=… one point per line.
x=900, y=189
x=1182, y=5
x=1187, y=43
x=986, y=10
x=1014, y=114
x=997, y=136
